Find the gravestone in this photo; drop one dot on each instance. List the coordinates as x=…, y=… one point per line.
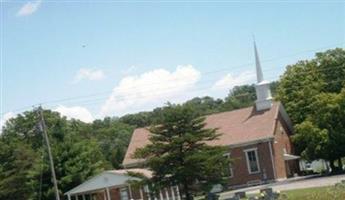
x=240, y=194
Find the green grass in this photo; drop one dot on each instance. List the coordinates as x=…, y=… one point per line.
x=319, y=193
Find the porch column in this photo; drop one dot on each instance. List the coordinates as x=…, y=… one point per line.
x=105, y=195
x=130, y=192
x=178, y=193
x=172, y=192
x=84, y=197
x=160, y=195
x=68, y=196
x=108, y=194
x=167, y=194
x=141, y=193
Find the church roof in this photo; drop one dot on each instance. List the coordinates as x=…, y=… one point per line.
x=237, y=127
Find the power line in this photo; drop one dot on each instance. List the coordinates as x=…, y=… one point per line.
x=128, y=88
x=148, y=90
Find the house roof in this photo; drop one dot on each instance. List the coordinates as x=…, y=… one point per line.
x=111, y=178
x=237, y=127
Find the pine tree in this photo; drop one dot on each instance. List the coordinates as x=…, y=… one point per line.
x=179, y=153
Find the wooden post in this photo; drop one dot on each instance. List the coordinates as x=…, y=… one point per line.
x=108, y=194
x=68, y=196
x=45, y=135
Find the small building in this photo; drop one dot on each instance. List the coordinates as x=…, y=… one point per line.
x=115, y=185
x=258, y=138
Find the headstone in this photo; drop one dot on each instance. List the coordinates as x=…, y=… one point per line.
x=234, y=198
x=240, y=194
x=212, y=196
x=267, y=191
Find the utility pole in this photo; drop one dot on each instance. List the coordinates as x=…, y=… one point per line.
x=44, y=131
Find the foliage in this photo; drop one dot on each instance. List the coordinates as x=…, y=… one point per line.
x=178, y=153
x=312, y=92
x=24, y=162
x=303, y=81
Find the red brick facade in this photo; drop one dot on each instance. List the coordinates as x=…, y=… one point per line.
x=270, y=170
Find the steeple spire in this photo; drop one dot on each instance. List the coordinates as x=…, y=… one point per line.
x=262, y=88
x=259, y=75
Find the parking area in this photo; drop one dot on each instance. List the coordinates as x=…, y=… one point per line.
x=290, y=184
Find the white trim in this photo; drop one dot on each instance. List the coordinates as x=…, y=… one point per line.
x=172, y=193
x=141, y=193
x=166, y=194
x=160, y=195
x=130, y=191
x=108, y=194
x=256, y=157
x=178, y=193
x=273, y=161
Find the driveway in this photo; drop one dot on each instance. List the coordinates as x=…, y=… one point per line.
x=290, y=184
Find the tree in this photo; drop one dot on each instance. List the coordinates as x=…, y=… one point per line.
x=16, y=162
x=303, y=81
x=312, y=94
x=179, y=153
x=24, y=160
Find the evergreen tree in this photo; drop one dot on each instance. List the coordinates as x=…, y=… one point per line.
x=179, y=153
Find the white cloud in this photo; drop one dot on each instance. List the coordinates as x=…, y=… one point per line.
x=150, y=89
x=4, y=118
x=88, y=74
x=229, y=81
x=29, y=8
x=75, y=112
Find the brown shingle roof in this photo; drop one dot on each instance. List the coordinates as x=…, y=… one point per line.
x=237, y=126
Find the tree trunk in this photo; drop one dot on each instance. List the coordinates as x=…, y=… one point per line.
x=340, y=164
x=187, y=192
x=331, y=164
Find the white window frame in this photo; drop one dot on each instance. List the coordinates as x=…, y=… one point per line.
x=122, y=190
x=227, y=155
x=257, y=160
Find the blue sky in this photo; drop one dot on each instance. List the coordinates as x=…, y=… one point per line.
x=133, y=56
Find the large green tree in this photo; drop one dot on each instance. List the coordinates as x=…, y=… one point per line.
x=179, y=153
x=24, y=159
x=312, y=94
x=303, y=81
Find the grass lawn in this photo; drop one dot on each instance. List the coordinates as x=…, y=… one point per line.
x=319, y=193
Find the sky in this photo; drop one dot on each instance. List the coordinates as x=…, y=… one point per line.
x=91, y=59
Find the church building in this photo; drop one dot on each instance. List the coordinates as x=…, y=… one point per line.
x=258, y=138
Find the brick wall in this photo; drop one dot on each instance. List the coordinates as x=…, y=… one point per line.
x=241, y=175
x=282, y=144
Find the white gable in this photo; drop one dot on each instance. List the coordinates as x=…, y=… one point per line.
x=103, y=180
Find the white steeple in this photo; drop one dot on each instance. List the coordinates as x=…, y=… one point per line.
x=262, y=88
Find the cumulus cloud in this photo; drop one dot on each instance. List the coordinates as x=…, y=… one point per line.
x=29, y=8
x=75, y=112
x=229, y=81
x=4, y=118
x=149, y=90
x=88, y=74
